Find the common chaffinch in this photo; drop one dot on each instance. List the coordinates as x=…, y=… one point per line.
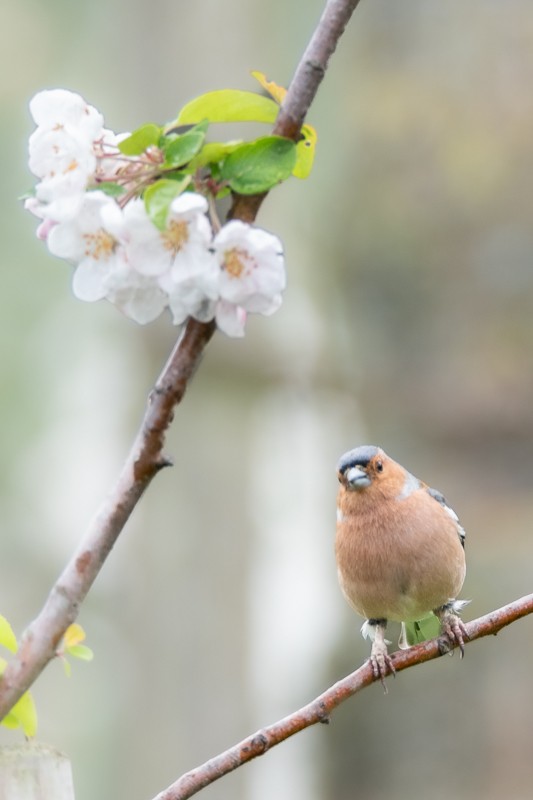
x=400, y=551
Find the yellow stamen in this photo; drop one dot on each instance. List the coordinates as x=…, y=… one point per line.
x=99, y=245
x=175, y=236
x=235, y=262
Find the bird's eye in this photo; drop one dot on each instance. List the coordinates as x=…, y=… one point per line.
x=379, y=466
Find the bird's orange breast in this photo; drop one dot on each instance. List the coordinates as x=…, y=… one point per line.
x=397, y=559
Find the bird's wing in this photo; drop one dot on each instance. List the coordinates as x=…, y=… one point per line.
x=439, y=497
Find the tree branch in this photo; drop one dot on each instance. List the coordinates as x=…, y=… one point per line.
x=40, y=640
x=320, y=709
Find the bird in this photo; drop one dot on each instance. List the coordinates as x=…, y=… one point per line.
x=400, y=553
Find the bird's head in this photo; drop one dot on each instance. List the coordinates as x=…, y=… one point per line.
x=358, y=468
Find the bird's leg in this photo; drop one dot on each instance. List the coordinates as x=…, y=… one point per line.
x=452, y=626
x=379, y=657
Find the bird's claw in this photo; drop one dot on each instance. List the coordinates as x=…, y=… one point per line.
x=454, y=629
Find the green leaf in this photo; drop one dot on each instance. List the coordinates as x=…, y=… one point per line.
x=159, y=196
x=22, y=715
x=213, y=152
x=180, y=150
x=258, y=166
x=74, y=634
x=111, y=189
x=7, y=636
x=81, y=651
x=26, y=713
x=136, y=143
x=305, y=150
x=228, y=105
x=10, y=721
x=224, y=192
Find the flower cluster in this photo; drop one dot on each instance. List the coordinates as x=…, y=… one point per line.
x=119, y=253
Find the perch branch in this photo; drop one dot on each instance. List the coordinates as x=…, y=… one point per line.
x=320, y=709
x=41, y=638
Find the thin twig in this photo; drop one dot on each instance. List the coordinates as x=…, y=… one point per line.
x=312, y=67
x=41, y=638
x=320, y=709
x=303, y=88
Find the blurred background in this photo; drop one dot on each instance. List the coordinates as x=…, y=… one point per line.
x=407, y=322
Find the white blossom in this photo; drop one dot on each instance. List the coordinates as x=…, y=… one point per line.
x=54, y=109
x=137, y=296
x=86, y=242
x=252, y=274
x=191, y=283
x=195, y=294
x=103, y=269
x=61, y=151
x=187, y=234
x=230, y=318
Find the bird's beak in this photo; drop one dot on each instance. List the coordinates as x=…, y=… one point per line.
x=357, y=478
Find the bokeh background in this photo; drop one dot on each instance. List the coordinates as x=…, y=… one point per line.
x=408, y=322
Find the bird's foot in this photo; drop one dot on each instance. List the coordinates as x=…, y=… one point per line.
x=453, y=628
x=382, y=664
x=380, y=661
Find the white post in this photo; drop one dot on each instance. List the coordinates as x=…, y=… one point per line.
x=34, y=771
